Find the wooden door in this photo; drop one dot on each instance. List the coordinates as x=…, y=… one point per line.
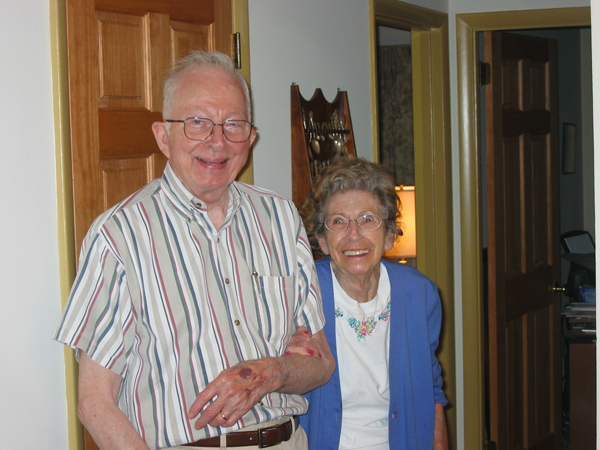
x=523, y=234
x=118, y=53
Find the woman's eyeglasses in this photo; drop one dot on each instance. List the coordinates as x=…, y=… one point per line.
x=368, y=222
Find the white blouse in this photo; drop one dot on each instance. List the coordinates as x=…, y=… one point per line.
x=362, y=335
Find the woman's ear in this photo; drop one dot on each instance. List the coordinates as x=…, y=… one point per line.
x=390, y=238
x=323, y=244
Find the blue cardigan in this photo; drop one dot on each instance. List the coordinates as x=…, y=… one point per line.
x=415, y=373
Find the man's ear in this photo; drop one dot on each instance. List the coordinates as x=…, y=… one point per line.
x=253, y=135
x=161, y=135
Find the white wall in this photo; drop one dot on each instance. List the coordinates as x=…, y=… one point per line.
x=313, y=43
x=33, y=411
x=436, y=5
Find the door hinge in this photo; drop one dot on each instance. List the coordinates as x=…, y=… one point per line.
x=237, y=51
x=485, y=73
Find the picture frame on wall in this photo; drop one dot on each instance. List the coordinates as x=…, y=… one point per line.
x=569, y=145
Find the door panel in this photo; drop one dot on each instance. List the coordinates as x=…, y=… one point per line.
x=522, y=197
x=118, y=54
x=127, y=175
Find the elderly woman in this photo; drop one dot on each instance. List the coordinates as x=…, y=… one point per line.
x=383, y=321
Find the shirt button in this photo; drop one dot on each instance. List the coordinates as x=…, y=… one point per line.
x=198, y=205
x=394, y=415
x=237, y=322
x=226, y=280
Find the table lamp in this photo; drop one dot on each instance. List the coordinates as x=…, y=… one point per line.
x=406, y=244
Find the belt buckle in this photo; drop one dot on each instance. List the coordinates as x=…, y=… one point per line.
x=260, y=435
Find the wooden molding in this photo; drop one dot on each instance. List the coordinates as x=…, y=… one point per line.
x=64, y=201
x=240, y=25
x=467, y=26
x=395, y=14
x=431, y=100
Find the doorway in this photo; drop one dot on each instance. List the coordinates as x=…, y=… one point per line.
x=468, y=25
x=395, y=104
x=431, y=97
x=396, y=137
x=576, y=194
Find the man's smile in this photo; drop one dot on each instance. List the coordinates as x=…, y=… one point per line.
x=212, y=163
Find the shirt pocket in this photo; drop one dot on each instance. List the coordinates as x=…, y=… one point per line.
x=275, y=307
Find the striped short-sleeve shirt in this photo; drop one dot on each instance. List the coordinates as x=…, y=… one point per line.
x=167, y=301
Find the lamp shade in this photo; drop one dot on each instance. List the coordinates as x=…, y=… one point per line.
x=406, y=245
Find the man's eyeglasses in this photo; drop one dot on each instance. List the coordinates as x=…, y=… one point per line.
x=201, y=128
x=368, y=222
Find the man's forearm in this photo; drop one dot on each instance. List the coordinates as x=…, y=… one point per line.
x=98, y=410
x=242, y=386
x=300, y=374
x=111, y=430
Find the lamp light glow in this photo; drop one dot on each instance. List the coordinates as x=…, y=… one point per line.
x=406, y=245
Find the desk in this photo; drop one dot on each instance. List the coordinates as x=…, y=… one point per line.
x=581, y=338
x=582, y=366
x=581, y=319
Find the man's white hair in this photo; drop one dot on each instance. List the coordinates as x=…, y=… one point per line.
x=200, y=59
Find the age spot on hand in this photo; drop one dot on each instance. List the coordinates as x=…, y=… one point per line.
x=245, y=373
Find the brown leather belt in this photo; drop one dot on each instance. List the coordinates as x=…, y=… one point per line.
x=262, y=438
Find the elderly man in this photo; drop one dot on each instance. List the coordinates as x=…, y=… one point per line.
x=189, y=291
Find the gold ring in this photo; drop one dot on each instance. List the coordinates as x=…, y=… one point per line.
x=224, y=418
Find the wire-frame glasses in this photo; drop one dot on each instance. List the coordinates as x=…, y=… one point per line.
x=368, y=222
x=201, y=128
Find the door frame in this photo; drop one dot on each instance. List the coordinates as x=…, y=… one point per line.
x=467, y=27
x=432, y=142
x=64, y=201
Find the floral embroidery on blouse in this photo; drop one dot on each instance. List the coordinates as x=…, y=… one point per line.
x=365, y=327
x=385, y=314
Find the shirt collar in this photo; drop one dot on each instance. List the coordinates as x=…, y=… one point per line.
x=184, y=199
